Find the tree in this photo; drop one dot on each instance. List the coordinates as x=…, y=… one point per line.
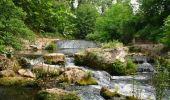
x=12, y=27
x=117, y=23
x=85, y=22
x=153, y=13
x=48, y=15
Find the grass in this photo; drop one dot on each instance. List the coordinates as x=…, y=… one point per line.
x=111, y=44
x=17, y=81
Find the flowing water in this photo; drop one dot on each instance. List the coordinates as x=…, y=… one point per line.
x=139, y=85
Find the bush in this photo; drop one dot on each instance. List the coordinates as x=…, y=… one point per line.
x=51, y=47
x=130, y=67
x=118, y=68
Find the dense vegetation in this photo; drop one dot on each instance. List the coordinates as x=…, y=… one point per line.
x=99, y=20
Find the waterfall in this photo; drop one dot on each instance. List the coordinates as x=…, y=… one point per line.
x=75, y=44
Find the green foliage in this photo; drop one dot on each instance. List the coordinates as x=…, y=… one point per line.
x=130, y=67
x=160, y=81
x=51, y=47
x=116, y=23
x=118, y=68
x=166, y=32
x=12, y=28
x=112, y=44
x=153, y=13
x=85, y=20
x=48, y=16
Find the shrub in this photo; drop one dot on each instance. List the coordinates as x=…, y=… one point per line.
x=118, y=68
x=130, y=67
x=51, y=47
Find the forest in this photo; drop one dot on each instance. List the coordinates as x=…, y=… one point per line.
x=99, y=20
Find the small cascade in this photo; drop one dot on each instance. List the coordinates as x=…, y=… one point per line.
x=75, y=44
x=103, y=78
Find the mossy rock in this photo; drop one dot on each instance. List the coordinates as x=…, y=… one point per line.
x=54, y=58
x=104, y=92
x=90, y=81
x=17, y=81
x=56, y=94
x=130, y=98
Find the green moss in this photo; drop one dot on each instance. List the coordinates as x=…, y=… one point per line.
x=17, y=81
x=90, y=81
x=130, y=98
x=43, y=95
x=104, y=92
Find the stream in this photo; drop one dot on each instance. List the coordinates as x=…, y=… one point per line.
x=139, y=85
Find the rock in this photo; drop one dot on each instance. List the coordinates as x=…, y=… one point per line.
x=7, y=73
x=145, y=67
x=10, y=64
x=101, y=59
x=54, y=58
x=34, y=47
x=78, y=76
x=106, y=93
x=17, y=81
x=24, y=62
x=26, y=73
x=42, y=70
x=103, y=78
x=56, y=94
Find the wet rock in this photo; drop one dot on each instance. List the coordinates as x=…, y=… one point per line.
x=103, y=78
x=24, y=62
x=26, y=73
x=54, y=58
x=56, y=94
x=145, y=67
x=7, y=73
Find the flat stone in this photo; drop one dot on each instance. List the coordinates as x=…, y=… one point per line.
x=26, y=73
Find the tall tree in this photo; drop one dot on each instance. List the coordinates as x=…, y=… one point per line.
x=85, y=21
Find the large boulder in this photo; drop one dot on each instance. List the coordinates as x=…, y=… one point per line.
x=7, y=73
x=101, y=59
x=78, y=76
x=56, y=94
x=54, y=58
x=26, y=73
